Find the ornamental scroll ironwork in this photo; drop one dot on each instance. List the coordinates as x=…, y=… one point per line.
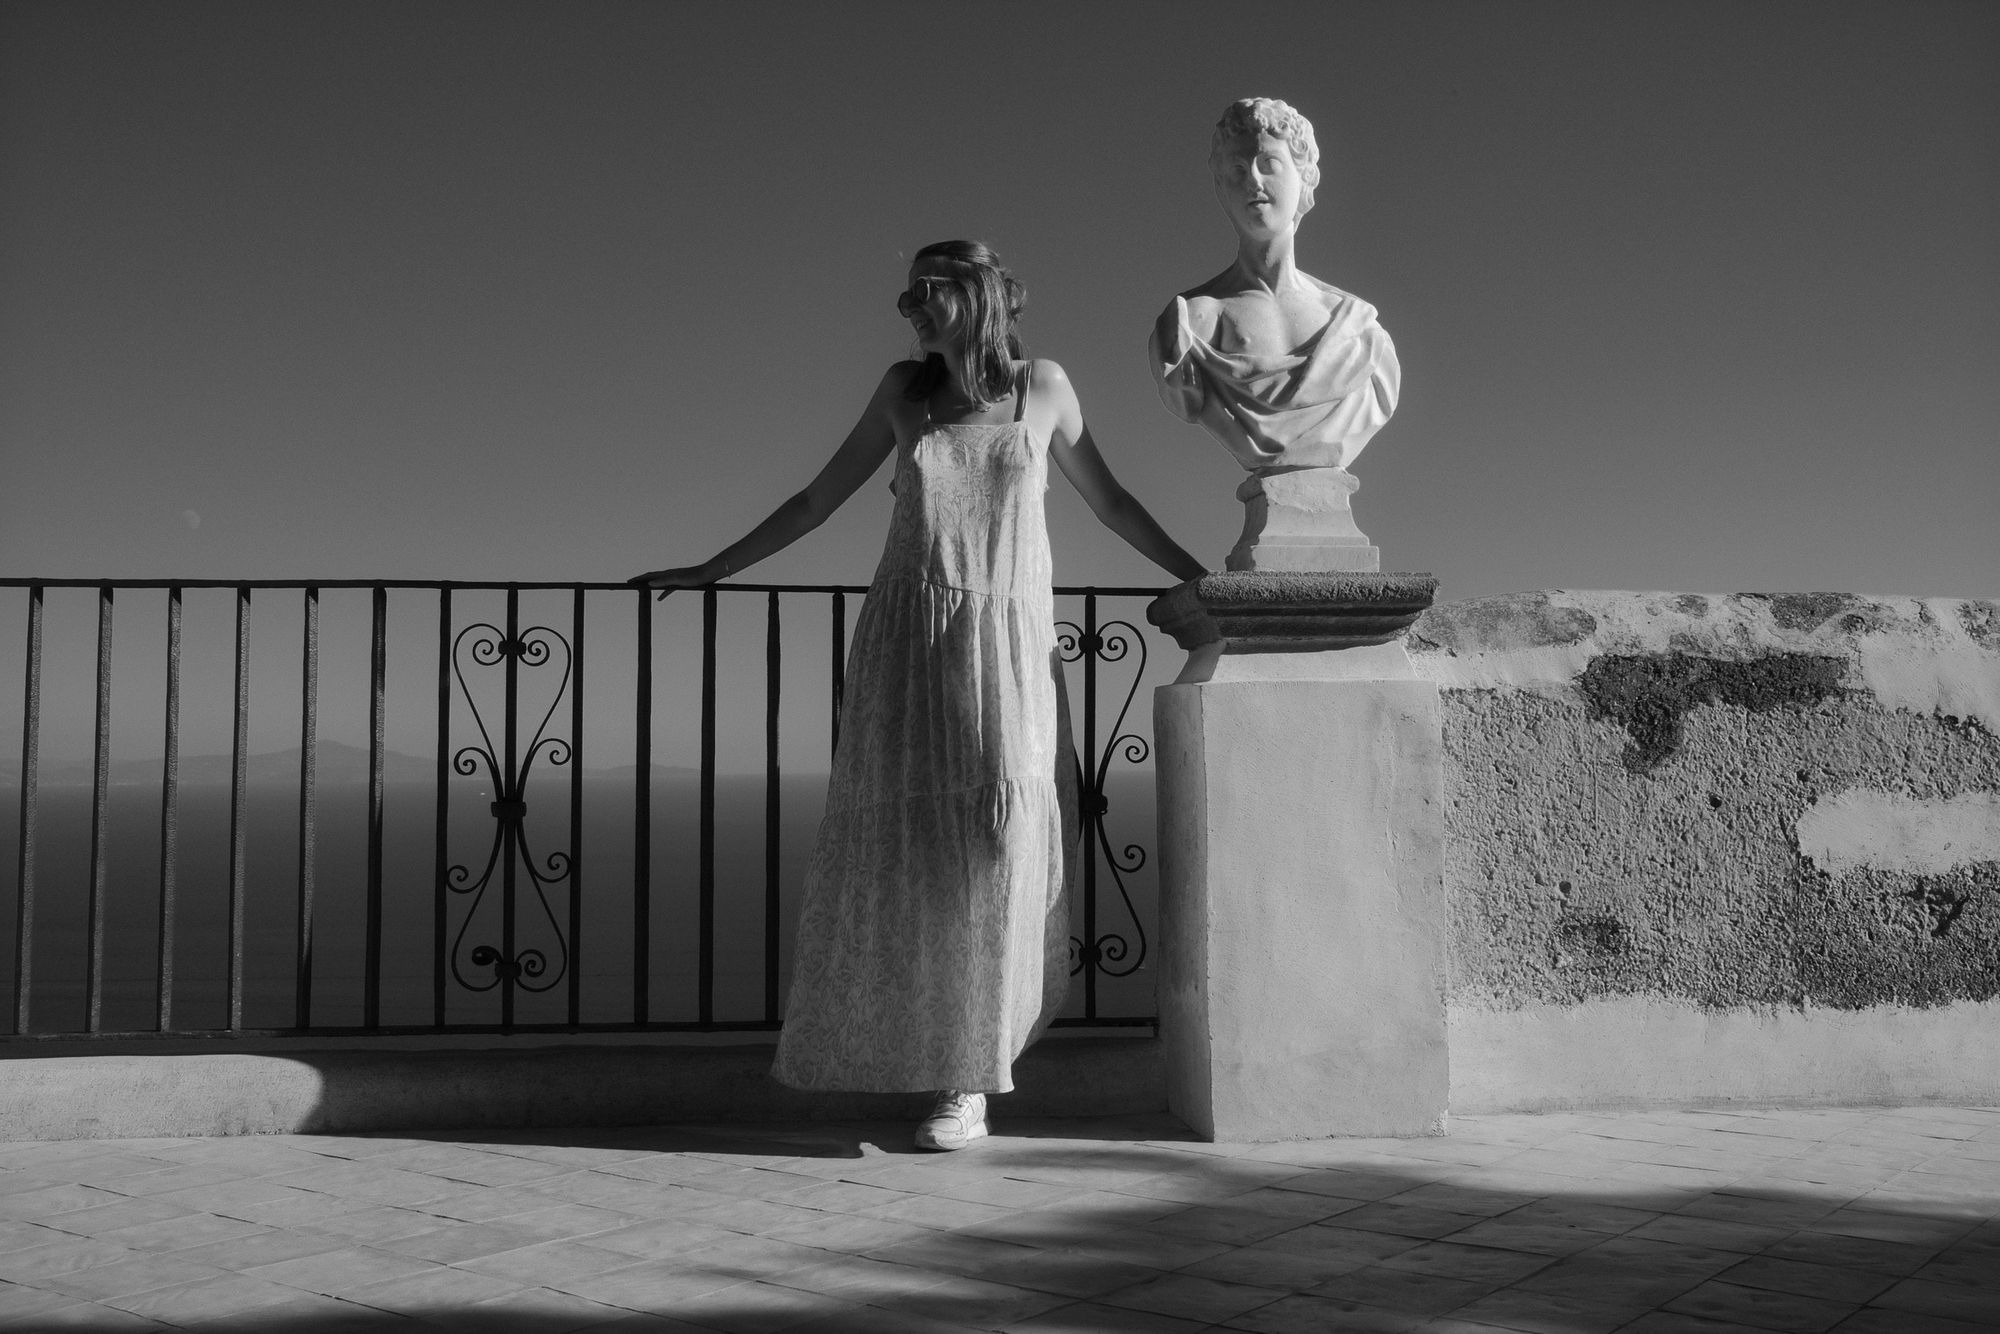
x=508, y=768
x=1108, y=953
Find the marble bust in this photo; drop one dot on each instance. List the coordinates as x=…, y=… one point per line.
x=1290, y=374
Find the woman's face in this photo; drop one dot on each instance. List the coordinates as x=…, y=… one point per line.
x=1259, y=185
x=933, y=321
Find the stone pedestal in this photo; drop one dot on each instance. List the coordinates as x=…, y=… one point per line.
x=1301, y=857
x=1299, y=520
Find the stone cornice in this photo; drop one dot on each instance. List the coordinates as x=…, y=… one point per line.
x=1257, y=611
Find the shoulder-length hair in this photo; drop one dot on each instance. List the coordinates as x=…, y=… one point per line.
x=985, y=301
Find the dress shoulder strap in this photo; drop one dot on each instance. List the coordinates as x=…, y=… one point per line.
x=1027, y=377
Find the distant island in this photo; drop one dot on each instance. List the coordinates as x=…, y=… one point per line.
x=334, y=762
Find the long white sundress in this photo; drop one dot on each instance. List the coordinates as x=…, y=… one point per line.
x=933, y=938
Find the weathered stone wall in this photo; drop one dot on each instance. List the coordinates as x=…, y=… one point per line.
x=1754, y=836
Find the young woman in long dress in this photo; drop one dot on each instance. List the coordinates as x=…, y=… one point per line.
x=933, y=935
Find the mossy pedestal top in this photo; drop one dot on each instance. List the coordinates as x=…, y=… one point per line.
x=1267, y=611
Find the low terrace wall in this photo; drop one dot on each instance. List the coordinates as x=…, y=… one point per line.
x=1697, y=849
x=1706, y=848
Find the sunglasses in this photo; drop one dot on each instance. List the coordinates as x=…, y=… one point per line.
x=922, y=292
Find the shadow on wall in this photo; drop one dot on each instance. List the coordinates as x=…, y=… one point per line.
x=1262, y=1242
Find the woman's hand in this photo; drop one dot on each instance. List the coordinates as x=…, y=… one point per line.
x=686, y=576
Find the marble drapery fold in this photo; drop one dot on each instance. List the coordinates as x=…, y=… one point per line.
x=1316, y=407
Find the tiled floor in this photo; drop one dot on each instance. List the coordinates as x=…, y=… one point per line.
x=1867, y=1221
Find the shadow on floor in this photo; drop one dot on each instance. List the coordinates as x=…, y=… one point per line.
x=808, y=1139
x=1123, y=1234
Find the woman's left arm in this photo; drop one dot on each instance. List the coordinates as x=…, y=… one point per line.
x=1076, y=455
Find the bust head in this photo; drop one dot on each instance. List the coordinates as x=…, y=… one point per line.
x=1254, y=125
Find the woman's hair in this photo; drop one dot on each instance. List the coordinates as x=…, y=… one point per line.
x=1267, y=115
x=984, y=300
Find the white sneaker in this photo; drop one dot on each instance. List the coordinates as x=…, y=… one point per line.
x=956, y=1121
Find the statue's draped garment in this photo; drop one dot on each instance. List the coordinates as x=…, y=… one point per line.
x=1314, y=407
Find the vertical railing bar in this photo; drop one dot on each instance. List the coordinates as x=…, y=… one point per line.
x=772, y=681
x=97, y=925
x=24, y=864
x=1089, y=794
x=707, y=867
x=839, y=675
x=642, y=813
x=440, y=894
x=239, y=791
x=170, y=813
x=510, y=824
x=308, y=801
x=378, y=662
x=100, y=823
x=576, y=809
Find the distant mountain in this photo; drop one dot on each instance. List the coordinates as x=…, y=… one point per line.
x=663, y=771
x=334, y=763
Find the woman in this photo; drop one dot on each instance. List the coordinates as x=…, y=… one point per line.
x=933, y=935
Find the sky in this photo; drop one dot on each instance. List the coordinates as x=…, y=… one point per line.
x=1687, y=296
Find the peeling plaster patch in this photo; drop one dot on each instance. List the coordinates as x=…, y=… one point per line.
x=1874, y=937
x=1806, y=611
x=1982, y=622
x=1574, y=871
x=1649, y=695
x=1569, y=876
x=1514, y=621
x=1949, y=668
x=1546, y=671
x=1921, y=655
x=1887, y=831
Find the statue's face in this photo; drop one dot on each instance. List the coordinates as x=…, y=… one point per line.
x=1259, y=185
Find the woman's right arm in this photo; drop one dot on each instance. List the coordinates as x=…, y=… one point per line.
x=871, y=441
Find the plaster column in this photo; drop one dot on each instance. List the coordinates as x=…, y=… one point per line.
x=1301, y=859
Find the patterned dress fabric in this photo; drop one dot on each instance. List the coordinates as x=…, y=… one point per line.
x=933, y=938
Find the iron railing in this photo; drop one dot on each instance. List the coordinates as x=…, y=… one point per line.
x=522, y=932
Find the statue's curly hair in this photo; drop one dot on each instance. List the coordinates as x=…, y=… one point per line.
x=1251, y=115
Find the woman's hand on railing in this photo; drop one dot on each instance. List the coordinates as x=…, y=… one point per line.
x=686, y=576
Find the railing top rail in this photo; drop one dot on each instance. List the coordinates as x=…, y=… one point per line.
x=571, y=585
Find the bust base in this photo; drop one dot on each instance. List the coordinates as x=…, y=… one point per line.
x=1299, y=520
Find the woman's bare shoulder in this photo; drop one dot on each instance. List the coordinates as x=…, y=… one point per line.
x=893, y=393
x=891, y=406
x=1045, y=375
